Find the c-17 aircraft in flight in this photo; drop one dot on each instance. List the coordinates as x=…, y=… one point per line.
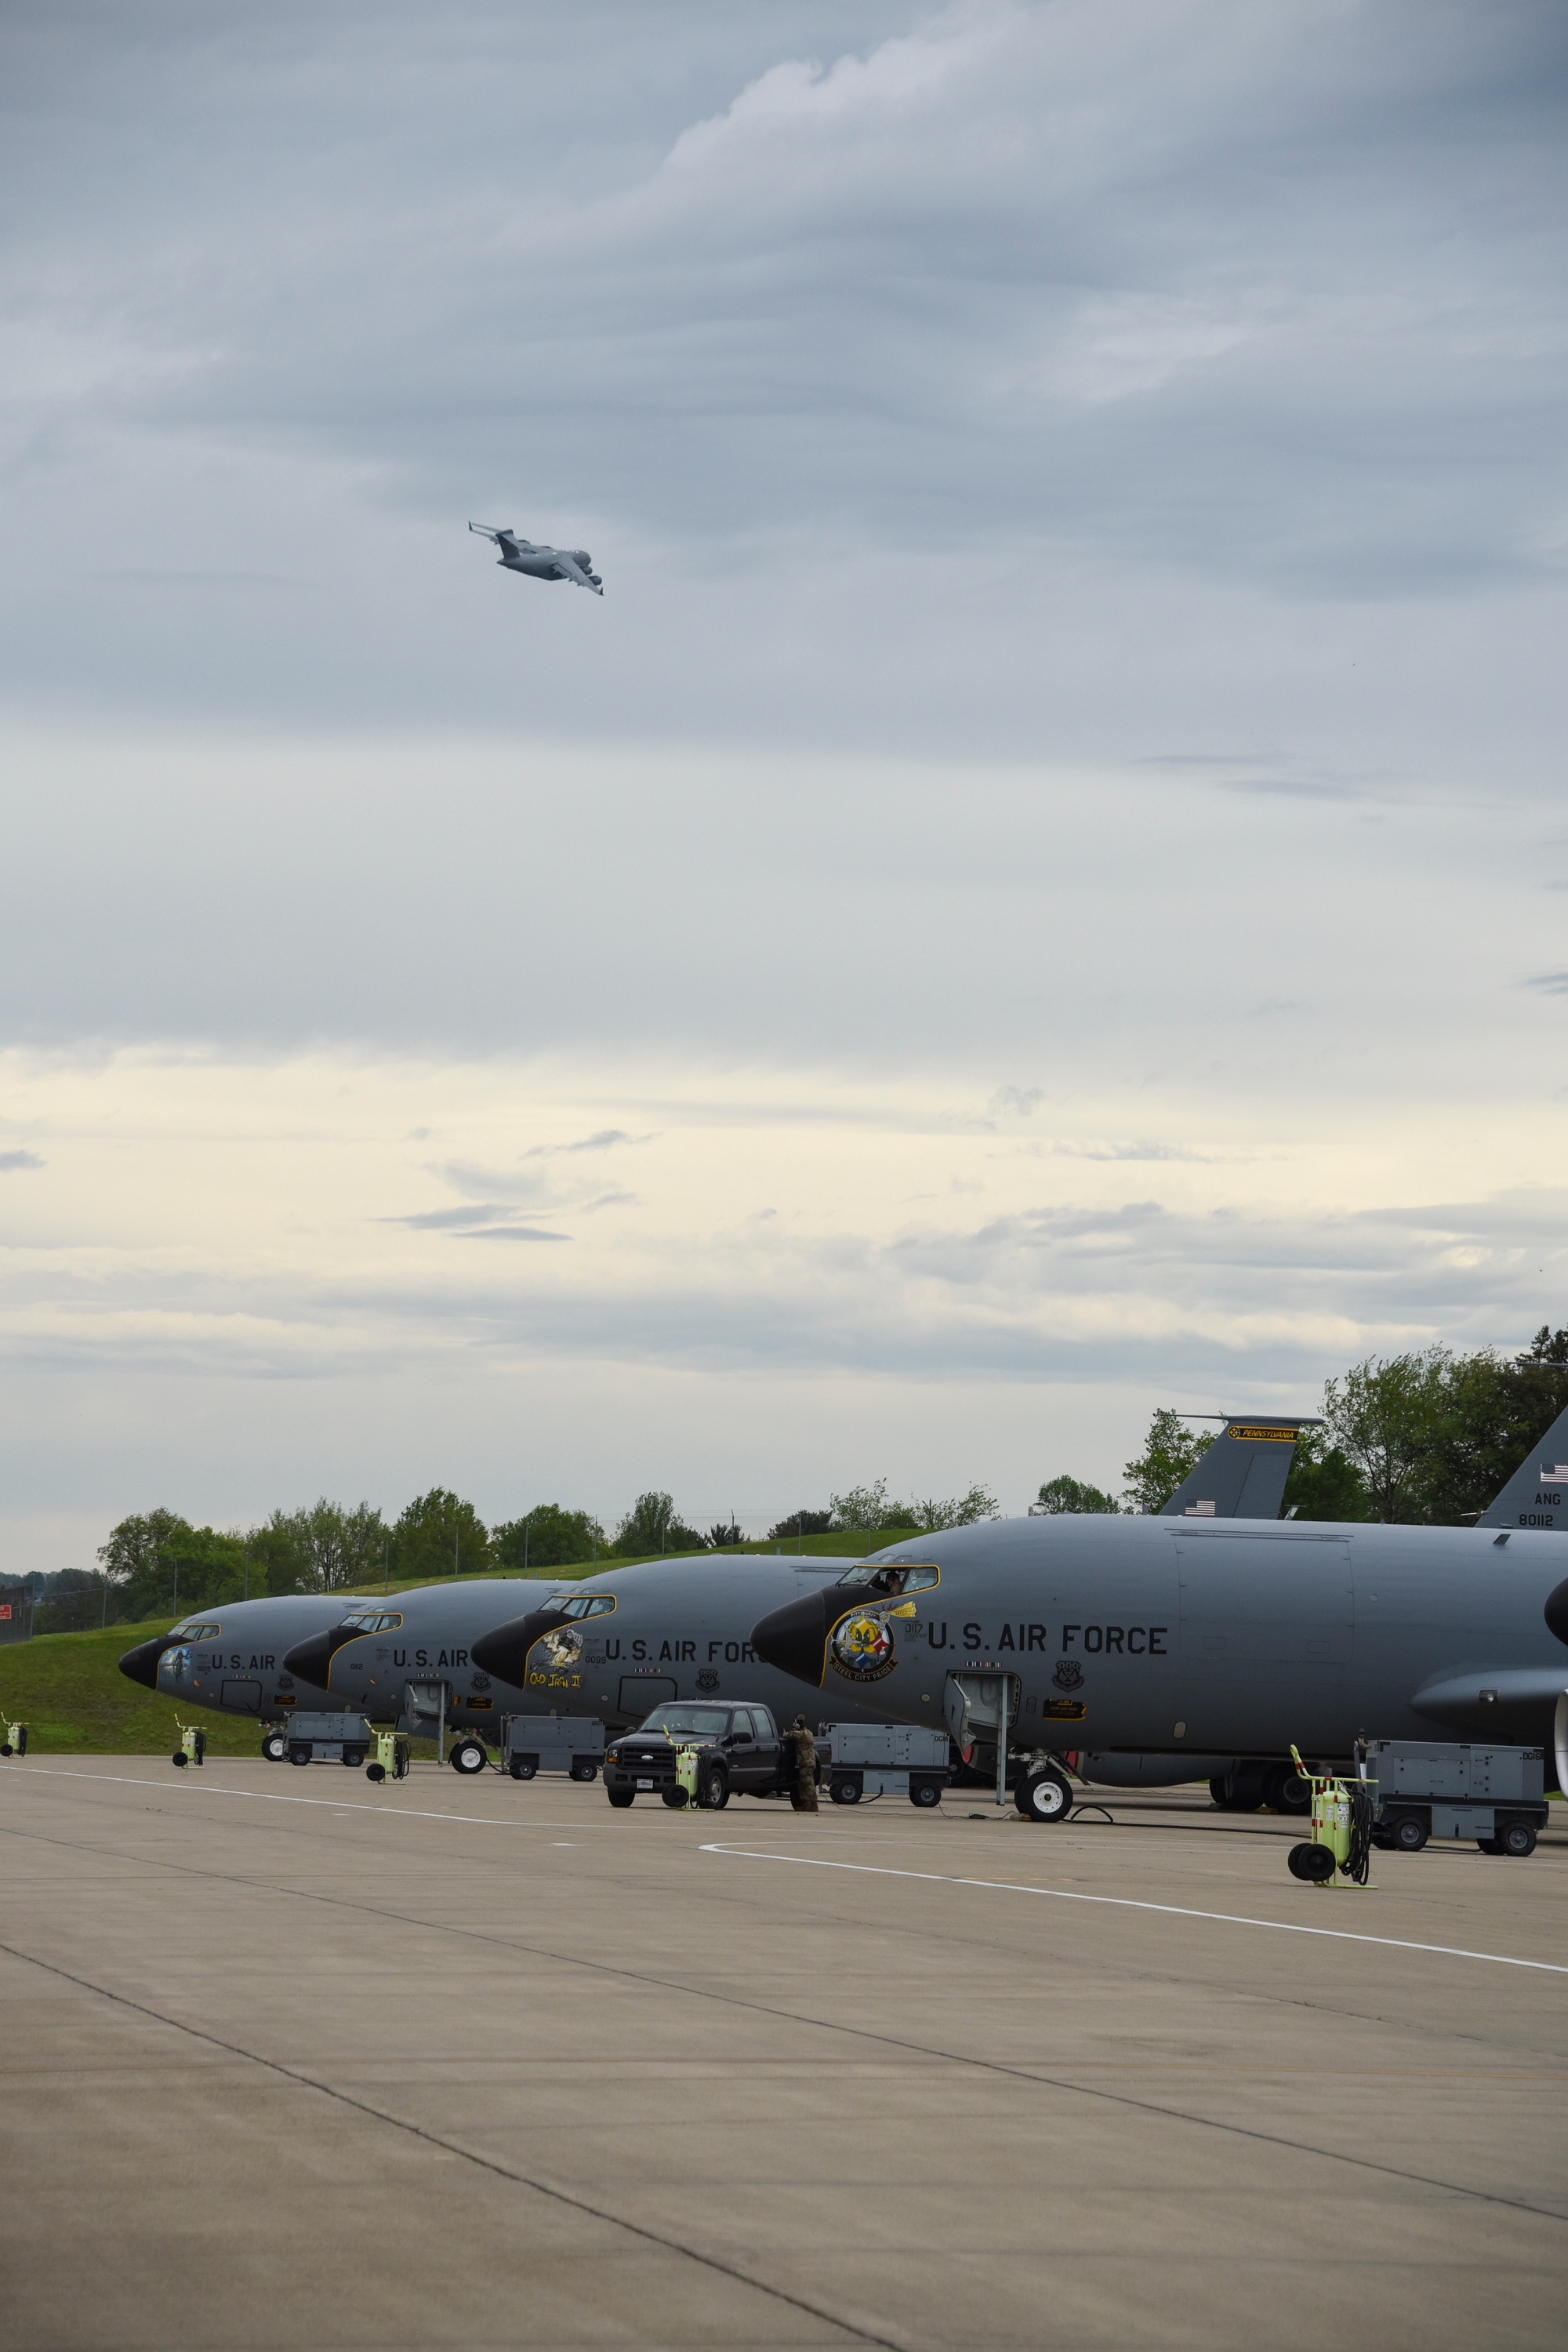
x=1162, y=1635
x=541, y=562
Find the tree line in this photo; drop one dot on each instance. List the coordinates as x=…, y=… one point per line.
x=1424, y=1439
x=157, y=1561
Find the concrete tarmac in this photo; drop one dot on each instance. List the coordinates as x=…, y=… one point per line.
x=291, y=2062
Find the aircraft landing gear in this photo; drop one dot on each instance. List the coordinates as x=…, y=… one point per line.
x=1045, y=1795
x=467, y=1756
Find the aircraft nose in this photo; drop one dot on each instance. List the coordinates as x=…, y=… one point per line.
x=1556, y=1610
x=504, y=1651
x=795, y=1639
x=312, y=1660
x=142, y=1663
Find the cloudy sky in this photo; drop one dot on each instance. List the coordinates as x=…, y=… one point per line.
x=1038, y=892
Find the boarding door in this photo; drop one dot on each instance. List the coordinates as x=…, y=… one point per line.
x=982, y=1709
x=426, y=1706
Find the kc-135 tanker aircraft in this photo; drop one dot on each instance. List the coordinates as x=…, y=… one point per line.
x=1168, y=1635
x=622, y=1642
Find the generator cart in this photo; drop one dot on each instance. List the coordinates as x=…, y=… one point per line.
x=329, y=1739
x=1430, y=1788
x=571, y=1744
x=885, y=1759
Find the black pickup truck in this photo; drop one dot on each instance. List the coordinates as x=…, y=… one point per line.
x=739, y=1753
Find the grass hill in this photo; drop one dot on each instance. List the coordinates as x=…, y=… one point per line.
x=69, y=1689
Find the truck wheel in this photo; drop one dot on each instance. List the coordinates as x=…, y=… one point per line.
x=354, y=1757
x=375, y=1771
x=467, y=1756
x=925, y=1792
x=844, y=1791
x=584, y=1770
x=1315, y=1864
x=1409, y=1833
x=275, y=1748
x=714, y=1789
x=1517, y=1838
x=300, y=1752
x=620, y=1798
x=1043, y=1796
x=673, y=1798
x=522, y=1768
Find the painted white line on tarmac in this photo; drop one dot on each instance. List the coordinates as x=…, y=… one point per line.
x=1129, y=1903
x=276, y=1797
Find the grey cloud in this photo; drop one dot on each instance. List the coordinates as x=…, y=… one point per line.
x=605, y=1140
x=1550, y=984
x=445, y=1220
x=509, y=1234
x=10, y=1161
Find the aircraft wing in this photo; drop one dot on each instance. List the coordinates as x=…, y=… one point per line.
x=574, y=571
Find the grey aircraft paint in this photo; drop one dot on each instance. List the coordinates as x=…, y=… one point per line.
x=541, y=562
x=1243, y=1473
x=233, y=1660
x=1162, y=1636
x=1536, y=1496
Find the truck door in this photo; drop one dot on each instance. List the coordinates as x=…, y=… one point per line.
x=770, y=1749
x=976, y=1705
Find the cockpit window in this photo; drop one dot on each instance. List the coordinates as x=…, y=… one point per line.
x=892, y=1580
x=196, y=1634
x=581, y=1605
x=372, y=1620
x=689, y=1722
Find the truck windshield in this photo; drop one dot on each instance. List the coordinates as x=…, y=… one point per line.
x=689, y=1722
x=891, y=1578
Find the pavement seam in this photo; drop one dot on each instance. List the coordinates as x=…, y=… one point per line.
x=455, y=2147
x=893, y=2042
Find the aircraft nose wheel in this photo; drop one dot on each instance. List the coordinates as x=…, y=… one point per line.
x=1043, y=1796
x=467, y=1756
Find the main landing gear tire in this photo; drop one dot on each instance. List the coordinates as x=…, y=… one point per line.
x=714, y=1789
x=843, y=1791
x=275, y=1748
x=1240, y=1790
x=1043, y=1796
x=1285, y=1791
x=1313, y=1863
x=620, y=1798
x=673, y=1798
x=467, y=1757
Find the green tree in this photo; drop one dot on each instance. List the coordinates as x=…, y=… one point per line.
x=1170, y=1451
x=161, y=1563
x=547, y=1537
x=801, y=1523
x=1065, y=1494
x=439, y=1535
x=958, y=1511
x=1389, y=1416
x=325, y=1548
x=1324, y=1481
x=651, y=1526
x=866, y=1509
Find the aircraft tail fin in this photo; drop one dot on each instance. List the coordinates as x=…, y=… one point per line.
x=1243, y=1475
x=1536, y=1496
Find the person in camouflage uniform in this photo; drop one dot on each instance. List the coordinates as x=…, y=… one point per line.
x=802, y=1746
